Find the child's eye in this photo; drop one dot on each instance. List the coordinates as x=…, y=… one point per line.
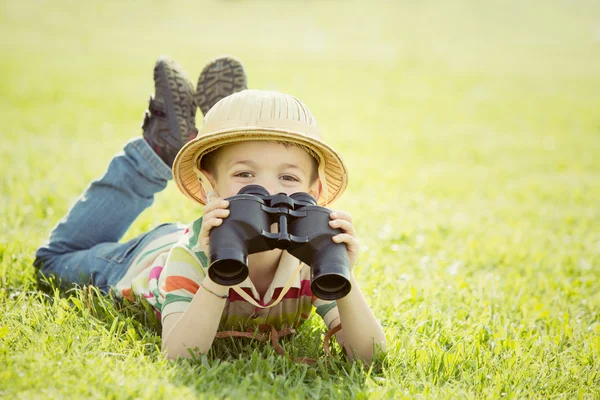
x=290, y=178
x=244, y=175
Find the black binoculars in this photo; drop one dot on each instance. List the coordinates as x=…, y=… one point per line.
x=303, y=230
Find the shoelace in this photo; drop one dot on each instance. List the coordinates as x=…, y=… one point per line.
x=267, y=331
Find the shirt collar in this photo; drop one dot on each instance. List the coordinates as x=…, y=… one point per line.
x=288, y=264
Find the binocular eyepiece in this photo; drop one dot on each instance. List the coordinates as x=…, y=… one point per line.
x=302, y=229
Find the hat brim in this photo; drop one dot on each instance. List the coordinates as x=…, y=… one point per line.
x=336, y=173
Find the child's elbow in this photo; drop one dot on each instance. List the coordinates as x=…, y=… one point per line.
x=376, y=348
x=172, y=352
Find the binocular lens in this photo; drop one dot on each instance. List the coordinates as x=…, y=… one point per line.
x=228, y=272
x=330, y=287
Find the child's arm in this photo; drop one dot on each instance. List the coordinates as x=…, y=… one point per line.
x=196, y=327
x=361, y=333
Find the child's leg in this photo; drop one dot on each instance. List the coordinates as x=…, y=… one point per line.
x=83, y=248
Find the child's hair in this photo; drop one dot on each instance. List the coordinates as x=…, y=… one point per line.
x=209, y=161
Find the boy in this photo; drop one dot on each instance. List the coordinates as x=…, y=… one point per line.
x=250, y=137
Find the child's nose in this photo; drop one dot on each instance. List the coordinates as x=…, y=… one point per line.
x=271, y=187
x=272, y=190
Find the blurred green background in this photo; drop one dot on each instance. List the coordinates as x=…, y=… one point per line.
x=472, y=134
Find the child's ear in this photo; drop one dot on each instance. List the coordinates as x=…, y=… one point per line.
x=316, y=189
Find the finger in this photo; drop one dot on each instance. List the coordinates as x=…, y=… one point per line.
x=212, y=222
x=208, y=225
x=344, y=225
x=218, y=213
x=215, y=203
x=204, y=236
x=341, y=215
x=350, y=241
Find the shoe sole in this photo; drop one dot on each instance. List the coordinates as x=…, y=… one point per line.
x=220, y=78
x=178, y=95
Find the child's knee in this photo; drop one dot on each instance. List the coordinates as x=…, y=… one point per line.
x=42, y=257
x=46, y=264
x=42, y=265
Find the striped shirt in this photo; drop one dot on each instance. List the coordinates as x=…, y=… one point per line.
x=169, y=271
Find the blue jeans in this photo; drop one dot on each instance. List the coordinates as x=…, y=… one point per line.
x=83, y=248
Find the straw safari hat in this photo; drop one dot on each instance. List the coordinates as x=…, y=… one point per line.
x=258, y=115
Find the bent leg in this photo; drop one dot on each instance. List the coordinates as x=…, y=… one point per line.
x=102, y=215
x=102, y=265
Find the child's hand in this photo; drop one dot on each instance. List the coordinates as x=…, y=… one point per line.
x=343, y=221
x=214, y=212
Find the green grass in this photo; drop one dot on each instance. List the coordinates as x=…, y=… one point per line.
x=472, y=134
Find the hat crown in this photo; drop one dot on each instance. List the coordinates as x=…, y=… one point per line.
x=252, y=115
x=251, y=109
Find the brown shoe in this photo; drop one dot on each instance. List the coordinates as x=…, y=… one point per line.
x=220, y=78
x=169, y=122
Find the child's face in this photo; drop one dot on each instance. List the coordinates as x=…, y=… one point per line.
x=277, y=168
